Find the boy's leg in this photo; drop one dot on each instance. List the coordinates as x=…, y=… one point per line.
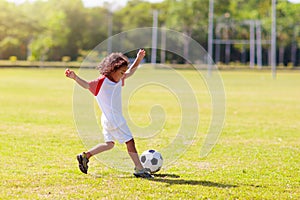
x=133, y=154
x=83, y=158
x=100, y=148
x=139, y=169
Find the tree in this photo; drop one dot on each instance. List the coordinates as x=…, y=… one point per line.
x=188, y=16
x=136, y=14
x=95, y=28
x=16, y=28
x=288, y=28
x=48, y=30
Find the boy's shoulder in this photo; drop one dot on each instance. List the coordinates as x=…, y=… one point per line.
x=96, y=84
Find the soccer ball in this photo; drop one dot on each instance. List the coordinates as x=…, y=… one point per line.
x=151, y=160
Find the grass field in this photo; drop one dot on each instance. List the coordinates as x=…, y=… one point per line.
x=257, y=155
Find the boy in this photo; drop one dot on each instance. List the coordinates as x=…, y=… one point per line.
x=107, y=91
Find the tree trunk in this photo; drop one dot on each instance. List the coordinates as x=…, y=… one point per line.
x=293, y=53
x=163, y=45
x=269, y=56
x=281, y=55
x=186, y=44
x=217, y=53
x=243, y=56
x=227, y=53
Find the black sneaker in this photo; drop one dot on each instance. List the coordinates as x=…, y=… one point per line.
x=83, y=162
x=143, y=173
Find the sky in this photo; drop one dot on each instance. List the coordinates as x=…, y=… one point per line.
x=92, y=3
x=115, y=3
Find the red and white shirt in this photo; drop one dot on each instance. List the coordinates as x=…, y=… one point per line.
x=109, y=98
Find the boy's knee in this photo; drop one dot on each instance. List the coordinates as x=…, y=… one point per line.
x=110, y=145
x=131, y=146
x=130, y=142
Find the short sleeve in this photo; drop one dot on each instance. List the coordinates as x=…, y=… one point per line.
x=95, y=85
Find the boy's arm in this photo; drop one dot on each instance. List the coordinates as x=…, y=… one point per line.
x=81, y=82
x=140, y=55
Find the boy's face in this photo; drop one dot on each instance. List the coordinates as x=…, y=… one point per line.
x=117, y=75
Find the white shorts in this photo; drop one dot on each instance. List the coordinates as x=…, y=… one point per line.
x=122, y=134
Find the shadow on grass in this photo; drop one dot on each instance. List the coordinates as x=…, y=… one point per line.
x=166, y=175
x=173, y=179
x=192, y=182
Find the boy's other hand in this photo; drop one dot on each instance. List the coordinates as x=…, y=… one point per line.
x=141, y=53
x=70, y=74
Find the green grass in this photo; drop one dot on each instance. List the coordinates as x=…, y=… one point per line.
x=257, y=155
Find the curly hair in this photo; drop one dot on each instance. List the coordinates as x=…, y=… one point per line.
x=112, y=63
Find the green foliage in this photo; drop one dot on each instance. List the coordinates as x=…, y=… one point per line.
x=287, y=21
x=94, y=29
x=51, y=29
x=31, y=58
x=9, y=42
x=14, y=30
x=54, y=37
x=136, y=14
x=188, y=16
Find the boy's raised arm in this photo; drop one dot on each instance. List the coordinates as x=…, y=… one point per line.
x=81, y=82
x=140, y=55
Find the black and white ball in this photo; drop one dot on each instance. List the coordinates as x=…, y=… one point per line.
x=151, y=160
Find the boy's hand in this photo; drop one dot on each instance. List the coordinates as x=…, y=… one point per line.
x=70, y=74
x=81, y=82
x=141, y=54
